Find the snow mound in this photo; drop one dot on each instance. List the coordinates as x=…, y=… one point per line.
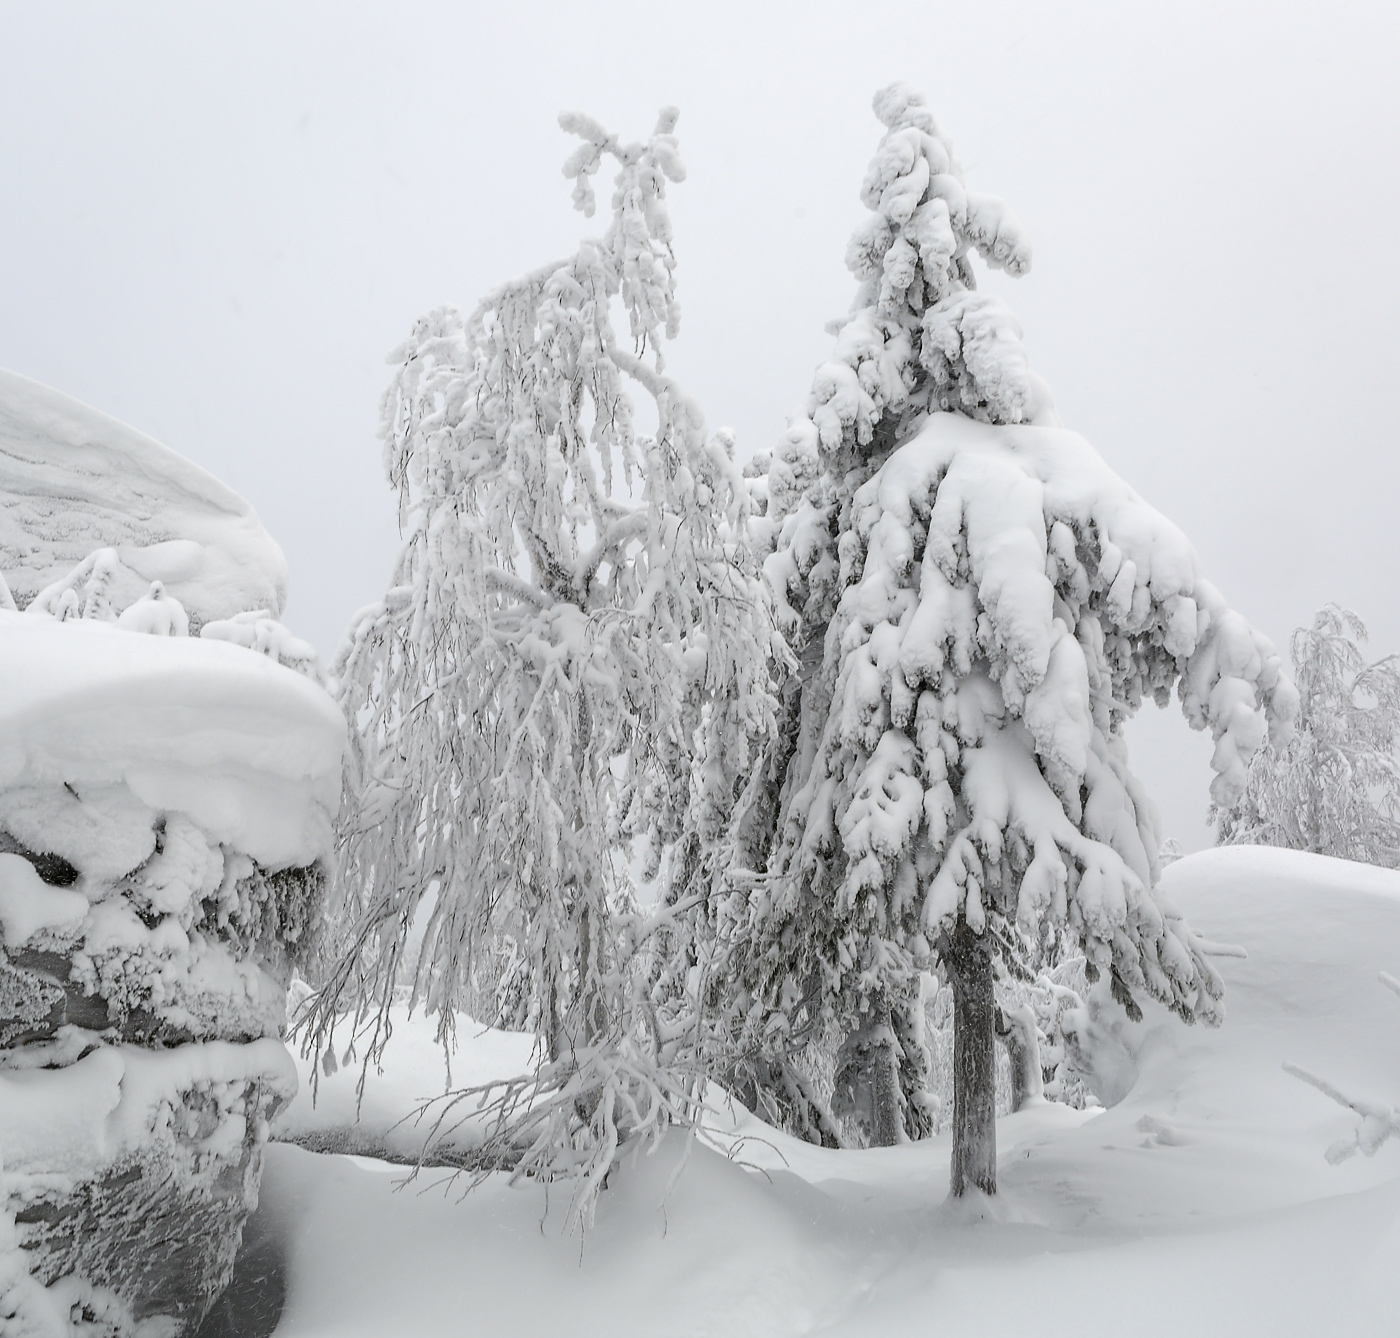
x=1200, y=1203
x=1318, y=932
x=247, y=749
x=73, y=480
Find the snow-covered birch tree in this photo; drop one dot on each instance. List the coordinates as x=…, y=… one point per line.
x=978, y=604
x=1334, y=788
x=567, y=675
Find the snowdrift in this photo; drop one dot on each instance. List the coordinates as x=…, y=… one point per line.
x=73, y=480
x=1199, y=1203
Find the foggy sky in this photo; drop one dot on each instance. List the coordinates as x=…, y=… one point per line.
x=216, y=224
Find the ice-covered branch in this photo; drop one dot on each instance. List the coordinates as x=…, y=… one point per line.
x=1377, y=1122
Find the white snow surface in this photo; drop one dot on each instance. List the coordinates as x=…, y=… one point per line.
x=249, y=750
x=1201, y=1203
x=73, y=480
x=331, y=1110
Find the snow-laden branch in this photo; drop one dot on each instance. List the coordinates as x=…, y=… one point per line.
x=1378, y=1123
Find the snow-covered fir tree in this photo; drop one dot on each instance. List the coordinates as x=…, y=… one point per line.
x=1334, y=787
x=978, y=604
x=565, y=682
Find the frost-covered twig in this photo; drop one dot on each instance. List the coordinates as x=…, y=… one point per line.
x=566, y=1121
x=1334, y=787
x=1377, y=1122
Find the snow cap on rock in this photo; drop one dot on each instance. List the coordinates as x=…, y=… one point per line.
x=248, y=749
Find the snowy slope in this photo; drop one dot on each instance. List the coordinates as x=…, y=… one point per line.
x=1202, y=1203
x=246, y=748
x=73, y=480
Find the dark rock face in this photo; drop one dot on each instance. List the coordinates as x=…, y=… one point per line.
x=149, y=1236
x=252, y=1303
x=53, y=869
x=158, y=1230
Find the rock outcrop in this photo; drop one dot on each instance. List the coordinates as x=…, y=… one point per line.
x=164, y=807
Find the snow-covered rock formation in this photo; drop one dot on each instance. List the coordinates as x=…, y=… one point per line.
x=165, y=804
x=73, y=480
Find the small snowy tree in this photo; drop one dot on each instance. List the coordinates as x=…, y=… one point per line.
x=1334, y=787
x=568, y=672
x=979, y=603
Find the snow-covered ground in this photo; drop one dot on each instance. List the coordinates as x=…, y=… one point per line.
x=1201, y=1204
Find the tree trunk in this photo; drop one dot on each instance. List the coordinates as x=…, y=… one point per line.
x=888, y=1129
x=887, y=1124
x=911, y=1047
x=867, y=1077
x=1016, y=1028
x=594, y=1003
x=974, y=1064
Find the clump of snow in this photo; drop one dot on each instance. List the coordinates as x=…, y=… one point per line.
x=105, y=829
x=28, y=904
x=247, y=749
x=259, y=630
x=57, y=1118
x=155, y=613
x=73, y=480
x=118, y=1098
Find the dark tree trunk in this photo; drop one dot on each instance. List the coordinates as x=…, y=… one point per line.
x=907, y=1023
x=867, y=1076
x=969, y=965
x=888, y=1125
x=882, y=1074
x=1016, y=1028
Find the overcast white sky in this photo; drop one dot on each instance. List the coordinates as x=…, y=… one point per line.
x=215, y=224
